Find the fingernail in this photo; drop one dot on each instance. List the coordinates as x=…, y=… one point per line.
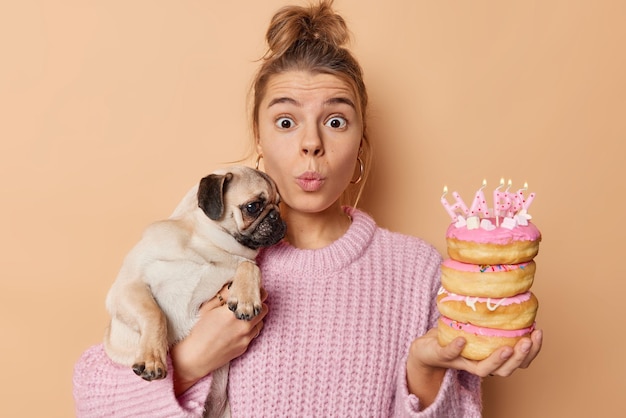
x=526, y=346
x=460, y=343
x=506, y=354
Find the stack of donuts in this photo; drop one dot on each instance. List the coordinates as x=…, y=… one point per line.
x=485, y=295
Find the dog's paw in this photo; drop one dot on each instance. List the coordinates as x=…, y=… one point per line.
x=151, y=368
x=149, y=373
x=244, y=310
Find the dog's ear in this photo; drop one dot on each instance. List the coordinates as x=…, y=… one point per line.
x=211, y=194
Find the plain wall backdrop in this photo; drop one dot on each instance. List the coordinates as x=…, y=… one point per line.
x=110, y=111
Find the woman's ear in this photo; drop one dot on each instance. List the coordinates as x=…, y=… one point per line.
x=259, y=148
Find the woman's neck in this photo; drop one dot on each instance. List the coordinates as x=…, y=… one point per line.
x=315, y=230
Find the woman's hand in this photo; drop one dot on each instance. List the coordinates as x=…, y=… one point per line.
x=428, y=361
x=217, y=338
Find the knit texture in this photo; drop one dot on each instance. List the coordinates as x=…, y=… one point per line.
x=334, y=343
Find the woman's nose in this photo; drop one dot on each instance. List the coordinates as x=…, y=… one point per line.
x=312, y=143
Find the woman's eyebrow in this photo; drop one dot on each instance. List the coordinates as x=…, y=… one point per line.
x=340, y=100
x=280, y=100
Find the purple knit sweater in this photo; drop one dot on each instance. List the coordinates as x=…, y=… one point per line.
x=333, y=344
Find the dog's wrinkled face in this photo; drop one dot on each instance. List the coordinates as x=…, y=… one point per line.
x=244, y=201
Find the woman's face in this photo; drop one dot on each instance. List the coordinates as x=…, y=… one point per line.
x=309, y=135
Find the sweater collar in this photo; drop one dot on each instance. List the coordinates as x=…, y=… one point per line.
x=283, y=256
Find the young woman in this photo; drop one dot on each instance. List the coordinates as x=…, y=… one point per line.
x=347, y=324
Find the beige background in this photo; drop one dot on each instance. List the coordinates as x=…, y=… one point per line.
x=110, y=110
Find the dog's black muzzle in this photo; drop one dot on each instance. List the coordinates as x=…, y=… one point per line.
x=268, y=232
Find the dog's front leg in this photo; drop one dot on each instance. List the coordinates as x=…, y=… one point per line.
x=244, y=296
x=138, y=308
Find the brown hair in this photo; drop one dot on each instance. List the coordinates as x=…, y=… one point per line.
x=312, y=39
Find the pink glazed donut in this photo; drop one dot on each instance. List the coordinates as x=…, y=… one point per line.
x=499, y=245
x=485, y=280
x=481, y=341
x=508, y=313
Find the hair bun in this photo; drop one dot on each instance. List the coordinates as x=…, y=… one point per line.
x=316, y=23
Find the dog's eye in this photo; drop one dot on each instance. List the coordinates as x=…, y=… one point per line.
x=254, y=208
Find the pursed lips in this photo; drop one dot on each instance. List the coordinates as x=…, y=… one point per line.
x=310, y=181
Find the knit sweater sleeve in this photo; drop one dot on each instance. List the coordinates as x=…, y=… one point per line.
x=459, y=396
x=103, y=388
x=460, y=392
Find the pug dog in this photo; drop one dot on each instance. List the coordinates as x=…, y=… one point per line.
x=211, y=239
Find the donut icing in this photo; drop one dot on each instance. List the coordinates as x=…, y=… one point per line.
x=491, y=303
x=498, y=235
x=487, y=280
x=486, y=332
x=482, y=268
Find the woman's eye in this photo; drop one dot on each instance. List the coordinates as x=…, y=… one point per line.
x=284, y=123
x=336, y=122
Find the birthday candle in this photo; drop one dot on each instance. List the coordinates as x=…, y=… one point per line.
x=445, y=204
x=496, y=201
x=459, y=203
x=507, y=195
x=525, y=203
x=509, y=200
x=528, y=201
x=480, y=204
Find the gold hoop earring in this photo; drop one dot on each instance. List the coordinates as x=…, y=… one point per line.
x=258, y=160
x=361, y=171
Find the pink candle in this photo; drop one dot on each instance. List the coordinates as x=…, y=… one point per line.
x=509, y=200
x=479, y=205
x=445, y=204
x=459, y=203
x=497, y=207
x=524, y=203
x=528, y=201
